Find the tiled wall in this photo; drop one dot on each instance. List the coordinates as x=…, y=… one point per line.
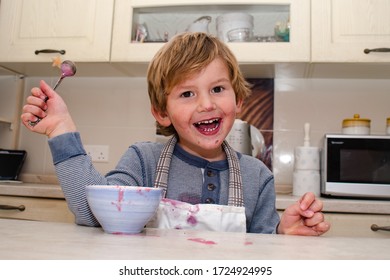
x=115, y=112
x=324, y=104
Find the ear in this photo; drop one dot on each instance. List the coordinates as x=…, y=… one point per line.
x=161, y=117
x=239, y=105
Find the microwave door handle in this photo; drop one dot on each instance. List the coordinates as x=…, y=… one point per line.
x=375, y=227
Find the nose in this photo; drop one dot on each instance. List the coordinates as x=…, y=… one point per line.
x=206, y=102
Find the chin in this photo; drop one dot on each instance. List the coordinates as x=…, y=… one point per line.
x=214, y=142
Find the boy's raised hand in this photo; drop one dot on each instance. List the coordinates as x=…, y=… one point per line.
x=304, y=217
x=54, y=114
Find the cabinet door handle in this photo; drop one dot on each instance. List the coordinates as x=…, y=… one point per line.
x=375, y=227
x=11, y=207
x=50, y=51
x=367, y=51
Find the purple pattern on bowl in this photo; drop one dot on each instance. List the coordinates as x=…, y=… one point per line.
x=123, y=209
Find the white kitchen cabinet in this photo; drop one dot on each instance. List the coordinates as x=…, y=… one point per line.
x=163, y=19
x=79, y=30
x=343, y=29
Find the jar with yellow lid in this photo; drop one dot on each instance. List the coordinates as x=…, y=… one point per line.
x=388, y=126
x=356, y=125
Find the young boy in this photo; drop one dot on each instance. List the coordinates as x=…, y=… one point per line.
x=196, y=89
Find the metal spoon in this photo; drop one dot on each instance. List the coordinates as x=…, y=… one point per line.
x=68, y=69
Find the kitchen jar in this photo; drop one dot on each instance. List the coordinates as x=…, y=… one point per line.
x=231, y=22
x=356, y=125
x=388, y=126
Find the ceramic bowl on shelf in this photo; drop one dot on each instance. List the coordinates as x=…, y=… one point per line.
x=123, y=209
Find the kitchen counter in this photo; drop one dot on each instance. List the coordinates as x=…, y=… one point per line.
x=25, y=240
x=331, y=205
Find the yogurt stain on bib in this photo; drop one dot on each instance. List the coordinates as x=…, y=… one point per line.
x=192, y=220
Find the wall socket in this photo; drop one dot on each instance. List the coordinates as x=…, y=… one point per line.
x=98, y=153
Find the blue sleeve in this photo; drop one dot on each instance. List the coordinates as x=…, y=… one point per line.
x=265, y=217
x=66, y=146
x=75, y=171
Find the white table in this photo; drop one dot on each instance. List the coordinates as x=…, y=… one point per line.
x=61, y=241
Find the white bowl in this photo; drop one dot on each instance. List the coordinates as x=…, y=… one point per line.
x=123, y=209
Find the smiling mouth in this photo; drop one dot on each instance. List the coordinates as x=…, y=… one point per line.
x=208, y=126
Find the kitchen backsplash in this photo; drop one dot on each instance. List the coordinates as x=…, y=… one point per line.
x=115, y=112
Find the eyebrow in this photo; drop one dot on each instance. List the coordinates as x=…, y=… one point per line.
x=220, y=80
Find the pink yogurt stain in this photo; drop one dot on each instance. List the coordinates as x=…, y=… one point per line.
x=195, y=209
x=139, y=191
x=143, y=190
x=192, y=220
x=118, y=203
x=174, y=203
x=248, y=243
x=67, y=69
x=203, y=241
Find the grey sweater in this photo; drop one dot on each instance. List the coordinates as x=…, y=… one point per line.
x=191, y=179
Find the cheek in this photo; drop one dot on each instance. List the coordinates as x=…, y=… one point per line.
x=231, y=108
x=178, y=116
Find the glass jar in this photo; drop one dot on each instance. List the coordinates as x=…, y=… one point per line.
x=388, y=126
x=356, y=125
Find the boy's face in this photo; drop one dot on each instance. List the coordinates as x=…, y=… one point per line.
x=202, y=109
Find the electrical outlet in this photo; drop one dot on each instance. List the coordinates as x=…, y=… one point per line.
x=98, y=153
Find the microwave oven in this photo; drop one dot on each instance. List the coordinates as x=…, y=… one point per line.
x=356, y=166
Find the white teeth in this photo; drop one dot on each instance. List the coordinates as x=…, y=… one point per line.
x=207, y=122
x=209, y=129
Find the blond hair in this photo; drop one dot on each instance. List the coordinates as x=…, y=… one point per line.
x=183, y=56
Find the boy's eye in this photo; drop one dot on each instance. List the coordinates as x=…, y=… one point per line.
x=187, y=94
x=217, y=89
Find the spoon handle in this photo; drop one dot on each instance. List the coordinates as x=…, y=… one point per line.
x=34, y=123
x=58, y=82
